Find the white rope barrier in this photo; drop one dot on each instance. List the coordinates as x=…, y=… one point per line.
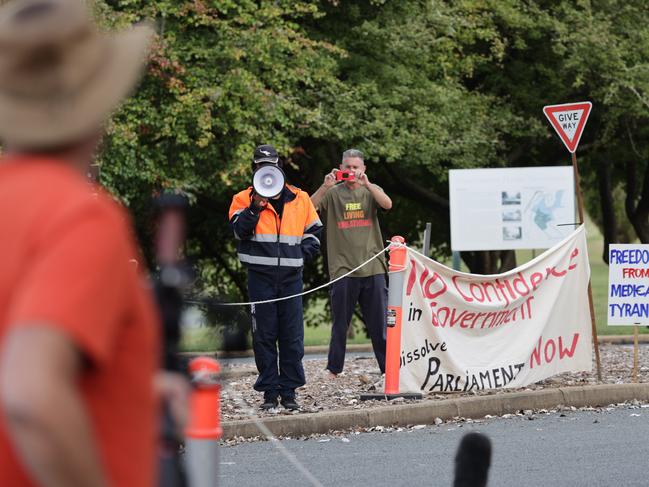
x=322, y=286
x=252, y=413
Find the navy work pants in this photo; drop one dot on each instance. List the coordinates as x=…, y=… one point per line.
x=372, y=294
x=277, y=327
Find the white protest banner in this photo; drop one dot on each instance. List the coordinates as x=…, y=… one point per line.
x=468, y=332
x=628, y=284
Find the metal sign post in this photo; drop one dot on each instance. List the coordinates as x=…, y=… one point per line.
x=569, y=120
x=635, y=353
x=427, y=234
x=580, y=206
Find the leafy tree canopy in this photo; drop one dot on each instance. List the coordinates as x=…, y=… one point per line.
x=420, y=86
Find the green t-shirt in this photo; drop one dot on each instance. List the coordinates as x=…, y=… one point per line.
x=353, y=233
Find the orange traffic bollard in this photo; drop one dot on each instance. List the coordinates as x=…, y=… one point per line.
x=398, y=255
x=204, y=429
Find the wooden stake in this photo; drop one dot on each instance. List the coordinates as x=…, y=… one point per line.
x=580, y=207
x=635, y=353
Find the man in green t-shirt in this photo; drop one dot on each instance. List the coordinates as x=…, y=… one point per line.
x=349, y=213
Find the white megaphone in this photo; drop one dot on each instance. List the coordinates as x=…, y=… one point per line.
x=268, y=181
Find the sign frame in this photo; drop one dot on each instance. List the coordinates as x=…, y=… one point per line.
x=624, y=279
x=490, y=206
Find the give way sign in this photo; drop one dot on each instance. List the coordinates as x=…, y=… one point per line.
x=569, y=121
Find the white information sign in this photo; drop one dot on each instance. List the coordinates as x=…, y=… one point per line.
x=467, y=332
x=628, y=284
x=511, y=208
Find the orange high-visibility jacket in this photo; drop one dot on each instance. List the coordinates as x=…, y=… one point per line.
x=265, y=242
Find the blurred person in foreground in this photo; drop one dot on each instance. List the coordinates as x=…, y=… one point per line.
x=349, y=211
x=78, y=328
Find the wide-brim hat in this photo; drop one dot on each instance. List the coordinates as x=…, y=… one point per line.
x=59, y=76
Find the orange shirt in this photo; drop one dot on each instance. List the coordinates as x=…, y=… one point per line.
x=64, y=261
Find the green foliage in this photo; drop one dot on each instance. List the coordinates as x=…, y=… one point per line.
x=420, y=86
x=223, y=78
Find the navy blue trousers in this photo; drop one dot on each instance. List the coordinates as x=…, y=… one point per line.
x=372, y=295
x=277, y=327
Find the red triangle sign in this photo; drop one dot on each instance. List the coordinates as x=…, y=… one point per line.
x=569, y=121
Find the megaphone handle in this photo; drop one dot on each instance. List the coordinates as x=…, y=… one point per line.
x=258, y=201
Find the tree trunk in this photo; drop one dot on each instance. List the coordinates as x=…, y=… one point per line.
x=638, y=213
x=410, y=189
x=507, y=260
x=489, y=261
x=609, y=223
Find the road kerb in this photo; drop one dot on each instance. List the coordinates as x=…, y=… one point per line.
x=425, y=412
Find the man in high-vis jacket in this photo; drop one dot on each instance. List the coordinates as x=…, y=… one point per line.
x=274, y=238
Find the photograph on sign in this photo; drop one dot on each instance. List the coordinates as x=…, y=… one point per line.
x=511, y=208
x=628, y=284
x=569, y=120
x=512, y=216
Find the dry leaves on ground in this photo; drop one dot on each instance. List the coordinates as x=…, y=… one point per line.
x=361, y=375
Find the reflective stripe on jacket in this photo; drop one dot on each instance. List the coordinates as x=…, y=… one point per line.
x=266, y=242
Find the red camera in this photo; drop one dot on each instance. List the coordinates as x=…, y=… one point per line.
x=345, y=176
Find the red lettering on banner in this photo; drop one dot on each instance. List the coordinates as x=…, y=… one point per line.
x=502, y=291
x=450, y=314
x=433, y=315
x=425, y=284
x=549, y=356
x=492, y=315
x=490, y=285
x=563, y=352
x=446, y=312
x=553, y=271
x=536, y=280
x=536, y=355
x=412, y=277
x=422, y=278
x=466, y=298
x=548, y=350
x=519, y=280
x=468, y=317
x=479, y=298
x=509, y=288
x=446, y=316
x=426, y=289
x=574, y=254
x=476, y=319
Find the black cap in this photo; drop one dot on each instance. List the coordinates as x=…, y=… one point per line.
x=265, y=153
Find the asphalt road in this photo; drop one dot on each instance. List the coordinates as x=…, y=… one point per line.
x=574, y=448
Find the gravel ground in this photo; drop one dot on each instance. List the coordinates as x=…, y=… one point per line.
x=361, y=375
